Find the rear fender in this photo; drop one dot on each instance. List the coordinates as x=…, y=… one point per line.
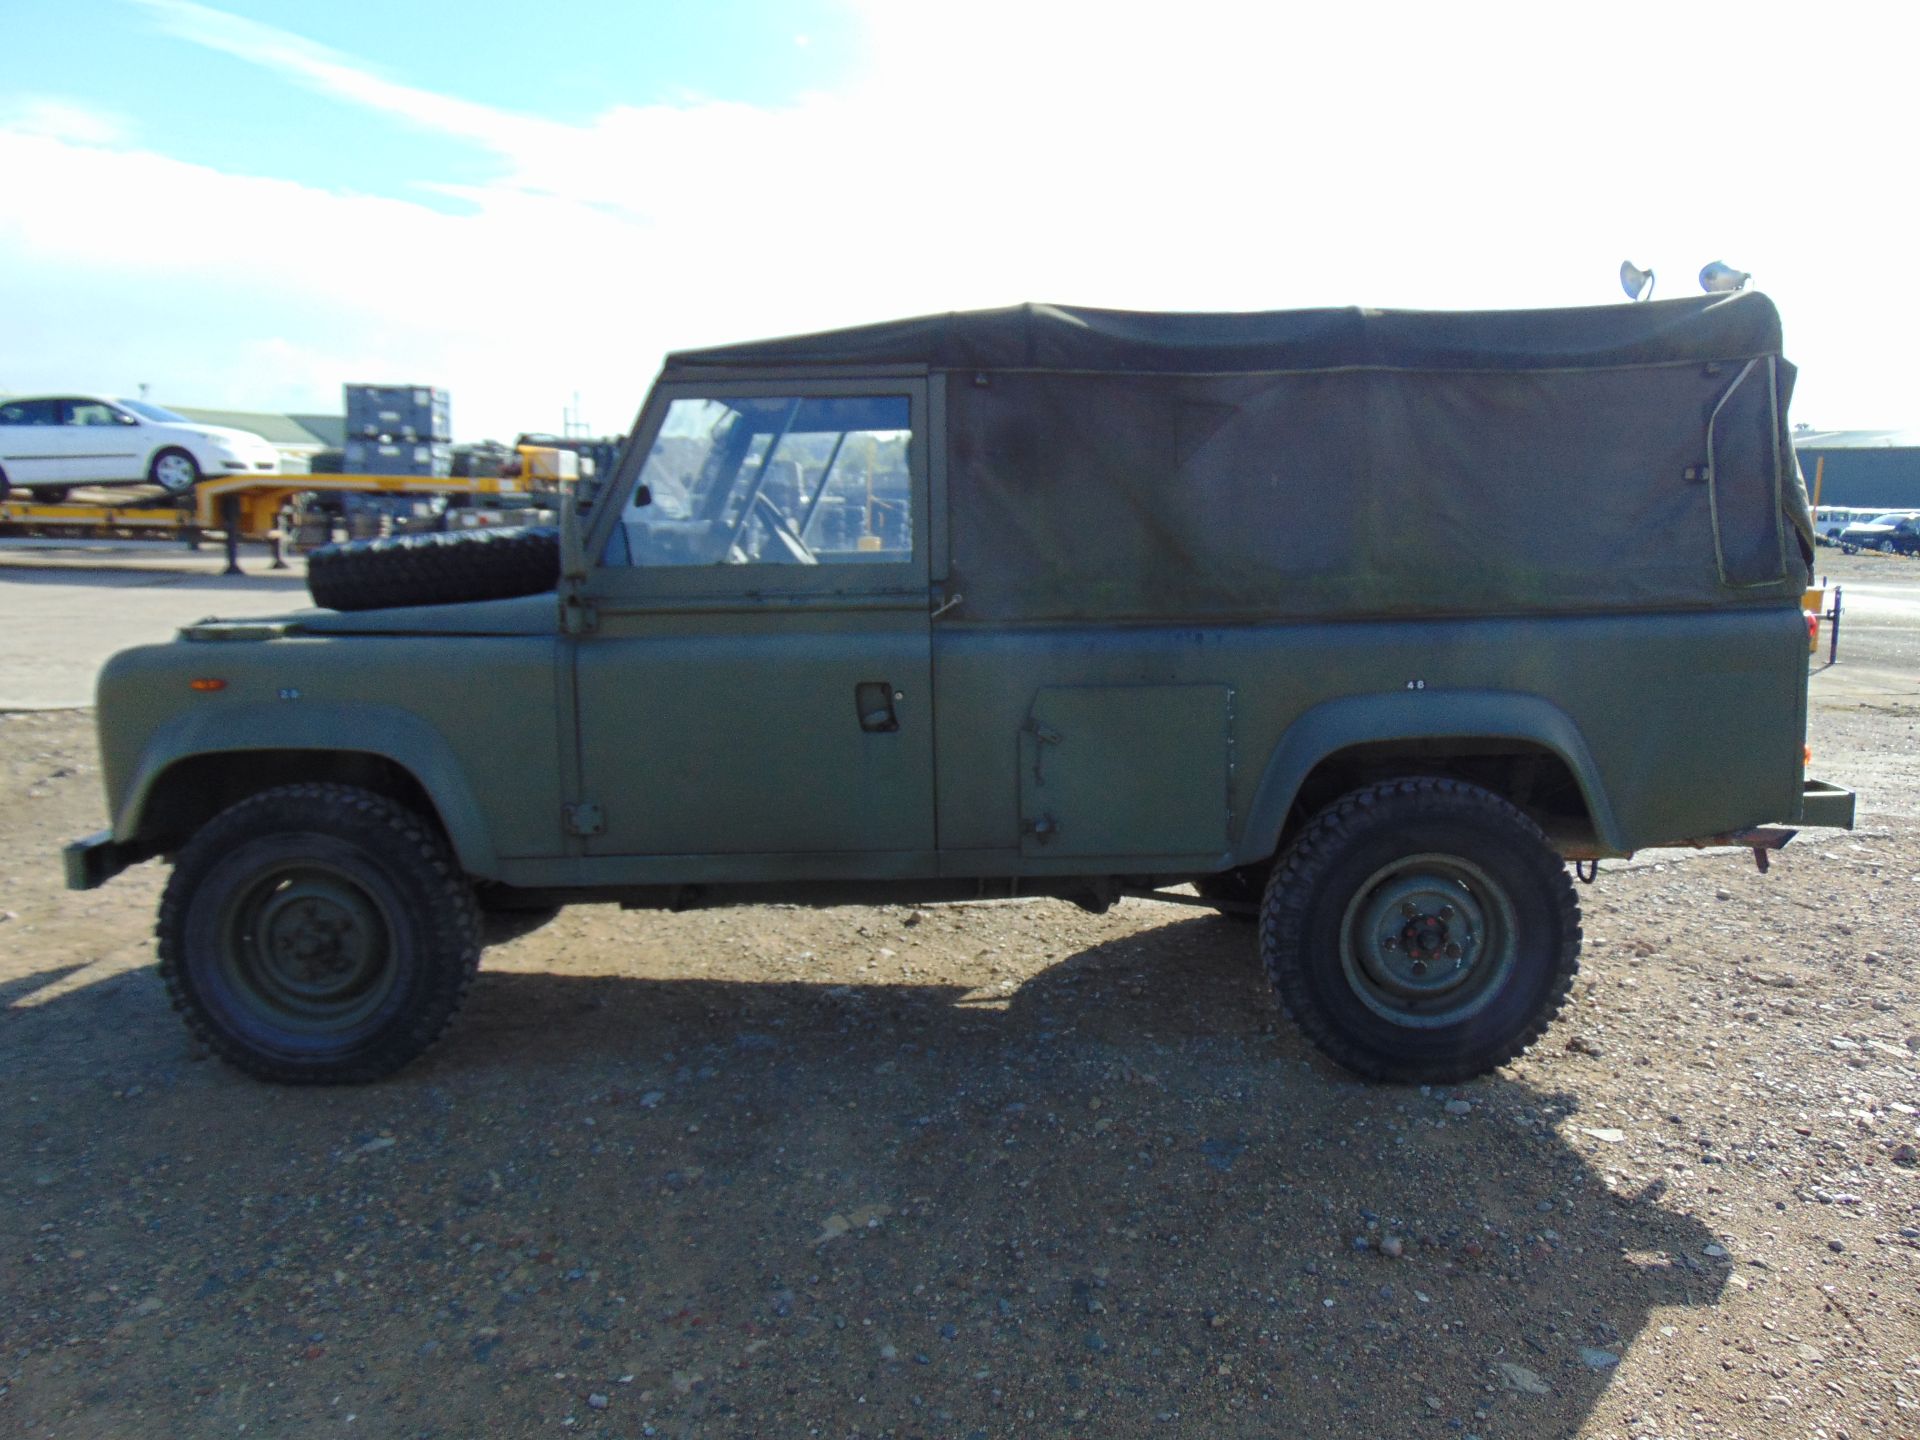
x=1338, y=725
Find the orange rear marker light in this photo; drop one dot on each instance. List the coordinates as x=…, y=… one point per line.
x=206, y=682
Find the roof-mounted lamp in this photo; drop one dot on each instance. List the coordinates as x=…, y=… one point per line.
x=1636, y=282
x=1719, y=279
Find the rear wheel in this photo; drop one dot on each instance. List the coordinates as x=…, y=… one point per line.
x=50, y=494
x=1421, y=930
x=318, y=934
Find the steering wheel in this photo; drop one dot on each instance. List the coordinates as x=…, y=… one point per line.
x=776, y=522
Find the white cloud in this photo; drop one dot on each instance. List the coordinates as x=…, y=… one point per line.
x=329, y=72
x=252, y=292
x=56, y=119
x=1223, y=156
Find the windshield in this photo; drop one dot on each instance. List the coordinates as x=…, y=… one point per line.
x=152, y=412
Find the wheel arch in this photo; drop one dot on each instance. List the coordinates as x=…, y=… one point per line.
x=190, y=771
x=182, y=447
x=1342, y=744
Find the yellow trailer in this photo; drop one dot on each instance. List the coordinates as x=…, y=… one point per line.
x=234, y=507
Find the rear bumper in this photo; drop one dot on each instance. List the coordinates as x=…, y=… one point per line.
x=1824, y=804
x=1821, y=804
x=98, y=858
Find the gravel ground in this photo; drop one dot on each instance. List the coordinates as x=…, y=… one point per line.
x=992, y=1170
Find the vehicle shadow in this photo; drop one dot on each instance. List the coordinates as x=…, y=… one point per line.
x=1117, y=1196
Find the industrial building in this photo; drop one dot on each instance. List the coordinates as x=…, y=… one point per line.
x=298, y=438
x=1865, y=469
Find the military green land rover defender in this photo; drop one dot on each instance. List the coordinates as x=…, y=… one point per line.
x=1364, y=624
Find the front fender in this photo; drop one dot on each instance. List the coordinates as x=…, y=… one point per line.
x=1337, y=725
x=382, y=730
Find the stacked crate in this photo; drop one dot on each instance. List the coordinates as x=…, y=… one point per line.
x=398, y=430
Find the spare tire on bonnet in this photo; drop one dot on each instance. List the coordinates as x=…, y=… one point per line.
x=446, y=569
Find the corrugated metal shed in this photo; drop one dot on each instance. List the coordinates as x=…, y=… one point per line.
x=331, y=430
x=283, y=432
x=1857, y=439
x=1874, y=469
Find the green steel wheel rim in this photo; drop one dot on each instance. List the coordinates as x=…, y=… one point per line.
x=306, y=949
x=1428, y=941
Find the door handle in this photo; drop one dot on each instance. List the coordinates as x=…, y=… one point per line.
x=873, y=703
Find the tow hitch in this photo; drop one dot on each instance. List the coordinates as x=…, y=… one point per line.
x=1760, y=841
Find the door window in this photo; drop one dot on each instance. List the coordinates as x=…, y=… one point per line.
x=93, y=412
x=773, y=480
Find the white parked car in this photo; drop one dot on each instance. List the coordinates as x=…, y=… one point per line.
x=50, y=443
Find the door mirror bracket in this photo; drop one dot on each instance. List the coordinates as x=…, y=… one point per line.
x=577, y=617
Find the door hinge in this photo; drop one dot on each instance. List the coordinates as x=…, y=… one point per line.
x=584, y=818
x=1043, y=736
x=577, y=617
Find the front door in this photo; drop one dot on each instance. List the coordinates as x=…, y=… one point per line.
x=100, y=442
x=758, y=678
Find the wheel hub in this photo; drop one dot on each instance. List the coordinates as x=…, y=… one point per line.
x=317, y=941
x=1420, y=933
x=1427, y=939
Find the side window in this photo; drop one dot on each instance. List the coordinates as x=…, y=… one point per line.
x=90, y=412
x=30, y=412
x=784, y=480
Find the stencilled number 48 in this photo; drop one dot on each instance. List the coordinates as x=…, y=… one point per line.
x=1416, y=684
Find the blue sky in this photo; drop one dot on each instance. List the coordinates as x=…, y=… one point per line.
x=246, y=204
x=568, y=62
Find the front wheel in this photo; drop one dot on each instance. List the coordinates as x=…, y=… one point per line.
x=50, y=494
x=1421, y=930
x=318, y=934
x=174, y=471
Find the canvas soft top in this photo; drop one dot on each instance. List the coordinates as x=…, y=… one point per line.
x=1073, y=338
x=1106, y=465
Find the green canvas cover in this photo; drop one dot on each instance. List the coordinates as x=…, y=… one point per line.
x=1350, y=463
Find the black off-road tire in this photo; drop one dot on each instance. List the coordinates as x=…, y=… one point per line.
x=50, y=494
x=444, y=569
x=1421, y=837
x=318, y=934
x=6, y=485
